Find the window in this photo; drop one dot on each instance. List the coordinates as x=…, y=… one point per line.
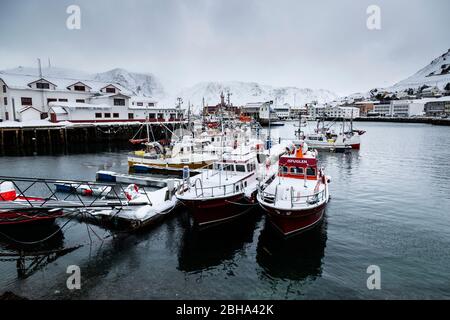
x=160, y=115
x=26, y=101
x=296, y=170
x=139, y=104
x=80, y=101
x=98, y=115
x=240, y=168
x=43, y=85
x=107, y=115
x=6, y=115
x=79, y=88
x=50, y=100
x=131, y=116
x=119, y=102
x=4, y=88
x=284, y=169
x=115, y=115
x=110, y=90
x=151, y=116
x=5, y=101
x=311, y=172
x=228, y=167
x=151, y=104
x=44, y=115
x=62, y=100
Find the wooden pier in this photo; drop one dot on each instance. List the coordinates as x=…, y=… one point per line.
x=25, y=137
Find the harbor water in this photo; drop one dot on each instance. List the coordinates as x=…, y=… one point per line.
x=390, y=207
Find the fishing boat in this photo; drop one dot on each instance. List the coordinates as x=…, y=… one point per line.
x=9, y=217
x=182, y=154
x=296, y=199
x=228, y=190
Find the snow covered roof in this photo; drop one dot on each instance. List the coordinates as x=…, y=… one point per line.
x=58, y=110
x=22, y=81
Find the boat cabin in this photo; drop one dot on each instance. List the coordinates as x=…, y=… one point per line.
x=243, y=166
x=298, y=166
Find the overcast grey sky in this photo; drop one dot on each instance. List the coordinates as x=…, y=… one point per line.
x=317, y=44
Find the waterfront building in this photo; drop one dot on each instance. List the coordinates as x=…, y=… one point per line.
x=439, y=107
x=29, y=97
x=283, y=111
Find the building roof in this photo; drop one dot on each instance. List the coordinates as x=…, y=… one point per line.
x=22, y=81
x=58, y=110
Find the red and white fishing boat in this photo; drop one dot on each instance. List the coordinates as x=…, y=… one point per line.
x=25, y=215
x=296, y=199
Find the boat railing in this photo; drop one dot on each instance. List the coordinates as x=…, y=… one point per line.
x=309, y=200
x=217, y=191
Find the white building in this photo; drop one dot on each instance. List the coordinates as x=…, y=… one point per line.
x=28, y=97
x=283, y=112
x=400, y=108
x=334, y=112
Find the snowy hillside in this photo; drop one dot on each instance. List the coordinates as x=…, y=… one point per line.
x=436, y=73
x=139, y=83
x=244, y=92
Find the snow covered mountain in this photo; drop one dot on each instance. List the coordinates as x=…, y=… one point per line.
x=244, y=92
x=437, y=73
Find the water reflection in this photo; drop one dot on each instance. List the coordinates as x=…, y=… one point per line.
x=295, y=258
x=203, y=249
x=31, y=248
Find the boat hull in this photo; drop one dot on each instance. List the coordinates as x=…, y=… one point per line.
x=208, y=212
x=10, y=218
x=191, y=165
x=290, y=222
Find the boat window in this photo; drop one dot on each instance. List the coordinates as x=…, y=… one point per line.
x=311, y=171
x=284, y=169
x=229, y=167
x=296, y=170
x=240, y=168
x=237, y=188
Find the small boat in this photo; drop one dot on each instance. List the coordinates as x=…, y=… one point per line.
x=145, y=207
x=111, y=176
x=83, y=189
x=27, y=216
x=296, y=199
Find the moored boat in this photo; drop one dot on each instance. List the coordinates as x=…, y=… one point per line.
x=296, y=199
x=27, y=216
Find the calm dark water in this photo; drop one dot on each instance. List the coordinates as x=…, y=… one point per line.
x=390, y=207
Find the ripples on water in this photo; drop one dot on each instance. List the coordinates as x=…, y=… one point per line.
x=390, y=206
